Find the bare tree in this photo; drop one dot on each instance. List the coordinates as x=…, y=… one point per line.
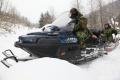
x=112, y=7
x=91, y=16
x=52, y=13
x=1, y=5
x=6, y=6
x=100, y=6
x=77, y=4
x=9, y=16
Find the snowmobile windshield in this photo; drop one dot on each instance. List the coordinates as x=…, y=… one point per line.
x=62, y=23
x=50, y=28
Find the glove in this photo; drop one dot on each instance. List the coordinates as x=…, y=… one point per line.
x=94, y=36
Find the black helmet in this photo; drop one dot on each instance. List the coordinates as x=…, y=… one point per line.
x=107, y=25
x=74, y=13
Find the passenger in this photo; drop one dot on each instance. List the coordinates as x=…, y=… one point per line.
x=80, y=28
x=107, y=33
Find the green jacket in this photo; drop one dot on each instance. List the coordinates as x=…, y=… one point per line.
x=80, y=28
x=107, y=33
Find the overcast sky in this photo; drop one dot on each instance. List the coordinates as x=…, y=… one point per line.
x=33, y=8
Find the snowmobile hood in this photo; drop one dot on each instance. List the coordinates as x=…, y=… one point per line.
x=33, y=37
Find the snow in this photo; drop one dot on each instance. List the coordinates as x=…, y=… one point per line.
x=46, y=69
x=104, y=68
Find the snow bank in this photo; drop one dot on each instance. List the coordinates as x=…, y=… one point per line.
x=46, y=69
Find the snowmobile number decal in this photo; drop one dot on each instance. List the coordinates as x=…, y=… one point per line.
x=71, y=40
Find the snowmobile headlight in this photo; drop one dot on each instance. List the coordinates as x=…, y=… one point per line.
x=28, y=40
x=32, y=40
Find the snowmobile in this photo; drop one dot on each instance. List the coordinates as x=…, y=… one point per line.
x=62, y=45
x=56, y=41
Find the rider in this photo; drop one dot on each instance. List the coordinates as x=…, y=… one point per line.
x=107, y=33
x=80, y=28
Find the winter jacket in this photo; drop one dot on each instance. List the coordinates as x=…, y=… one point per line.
x=81, y=30
x=107, y=34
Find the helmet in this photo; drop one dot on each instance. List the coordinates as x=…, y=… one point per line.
x=107, y=25
x=74, y=12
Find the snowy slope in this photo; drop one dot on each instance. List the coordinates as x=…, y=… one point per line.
x=104, y=68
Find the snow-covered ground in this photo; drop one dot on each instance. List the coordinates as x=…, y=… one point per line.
x=104, y=68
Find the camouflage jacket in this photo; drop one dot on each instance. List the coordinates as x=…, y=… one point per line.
x=81, y=25
x=109, y=32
